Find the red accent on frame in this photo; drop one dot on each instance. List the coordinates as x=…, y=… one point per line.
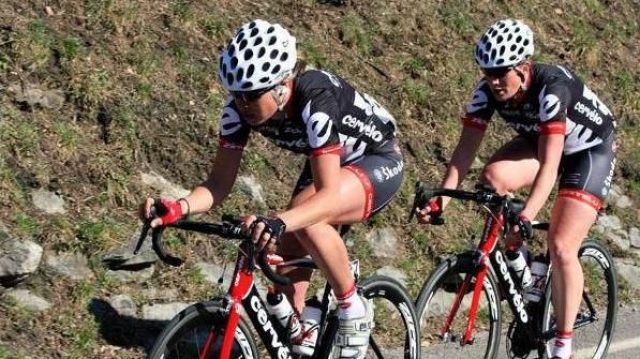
x=486, y=247
x=477, y=292
x=368, y=189
x=229, y=332
x=582, y=196
x=456, y=305
x=211, y=339
x=240, y=287
x=553, y=127
x=335, y=149
x=474, y=122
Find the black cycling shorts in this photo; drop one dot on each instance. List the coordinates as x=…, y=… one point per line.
x=587, y=175
x=380, y=173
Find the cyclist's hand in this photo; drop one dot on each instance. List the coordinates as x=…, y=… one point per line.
x=520, y=229
x=166, y=212
x=265, y=231
x=430, y=212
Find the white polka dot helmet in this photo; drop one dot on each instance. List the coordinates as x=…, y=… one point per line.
x=506, y=43
x=259, y=56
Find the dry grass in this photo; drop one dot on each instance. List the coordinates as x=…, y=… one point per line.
x=139, y=79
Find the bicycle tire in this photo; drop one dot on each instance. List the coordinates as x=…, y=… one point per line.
x=435, y=300
x=594, y=259
x=396, y=322
x=196, y=322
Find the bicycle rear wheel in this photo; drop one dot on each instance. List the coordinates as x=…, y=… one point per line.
x=436, y=300
x=186, y=334
x=595, y=321
x=396, y=332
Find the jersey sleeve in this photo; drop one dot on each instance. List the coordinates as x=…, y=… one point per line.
x=319, y=114
x=479, y=110
x=554, y=99
x=234, y=133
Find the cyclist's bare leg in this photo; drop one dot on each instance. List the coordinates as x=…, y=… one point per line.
x=572, y=220
x=512, y=167
x=323, y=242
x=290, y=248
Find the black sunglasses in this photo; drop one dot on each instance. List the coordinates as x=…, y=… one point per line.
x=250, y=96
x=496, y=72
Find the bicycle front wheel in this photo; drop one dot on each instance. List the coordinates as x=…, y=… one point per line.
x=436, y=306
x=595, y=321
x=186, y=335
x=396, y=332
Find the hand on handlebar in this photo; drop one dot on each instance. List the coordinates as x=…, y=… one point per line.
x=521, y=229
x=265, y=231
x=164, y=212
x=431, y=212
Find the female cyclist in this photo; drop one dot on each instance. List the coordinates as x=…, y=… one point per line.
x=563, y=129
x=354, y=166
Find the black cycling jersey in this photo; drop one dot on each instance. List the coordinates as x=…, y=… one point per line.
x=554, y=94
x=330, y=116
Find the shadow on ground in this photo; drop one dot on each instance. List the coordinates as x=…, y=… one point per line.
x=124, y=331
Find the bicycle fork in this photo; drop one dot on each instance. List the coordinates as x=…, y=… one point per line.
x=479, y=271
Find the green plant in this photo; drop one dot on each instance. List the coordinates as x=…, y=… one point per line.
x=195, y=276
x=26, y=224
x=144, y=91
x=5, y=353
x=181, y=8
x=214, y=25
x=415, y=65
x=417, y=92
x=40, y=33
x=4, y=64
x=313, y=56
x=83, y=291
x=70, y=47
x=90, y=234
x=67, y=134
x=89, y=88
x=354, y=34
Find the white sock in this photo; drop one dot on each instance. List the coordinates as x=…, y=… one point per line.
x=350, y=305
x=562, y=345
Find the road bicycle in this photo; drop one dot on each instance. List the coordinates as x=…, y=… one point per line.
x=460, y=303
x=216, y=329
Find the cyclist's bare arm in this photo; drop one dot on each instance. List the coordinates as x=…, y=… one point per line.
x=319, y=207
x=549, y=154
x=219, y=182
x=212, y=191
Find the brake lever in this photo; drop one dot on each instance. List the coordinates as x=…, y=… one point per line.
x=143, y=234
x=420, y=199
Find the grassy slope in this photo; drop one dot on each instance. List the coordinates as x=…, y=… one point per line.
x=139, y=80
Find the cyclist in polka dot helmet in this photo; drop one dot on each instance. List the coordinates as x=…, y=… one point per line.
x=565, y=134
x=353, y=167
x=505, y=43
x=259, y=56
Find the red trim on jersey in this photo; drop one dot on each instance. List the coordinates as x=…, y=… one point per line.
x=337, y=149
x=368, y=189
x=226, y=144
x=582, y=196
x=553, y=127
x=474, y=122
